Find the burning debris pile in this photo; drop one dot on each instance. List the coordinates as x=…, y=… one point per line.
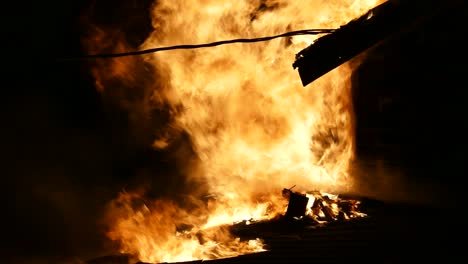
x=321, y=207
x=209, y=240
x=305, y=210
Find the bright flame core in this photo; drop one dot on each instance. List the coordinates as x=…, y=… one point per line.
x=254, y=128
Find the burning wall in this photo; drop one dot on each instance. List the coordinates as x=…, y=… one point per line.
x=251, y=126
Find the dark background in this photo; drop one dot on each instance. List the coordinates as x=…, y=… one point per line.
x=64, y=156
x=409, y=97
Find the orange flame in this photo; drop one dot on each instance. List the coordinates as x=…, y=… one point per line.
x=253, y=126
x=162, y=231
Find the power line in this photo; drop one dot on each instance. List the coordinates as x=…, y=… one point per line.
x=205, y=45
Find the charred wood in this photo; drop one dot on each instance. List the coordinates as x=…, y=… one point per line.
x=386, y=20
x=297, y=205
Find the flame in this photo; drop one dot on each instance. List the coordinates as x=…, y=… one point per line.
x=253, y=127
x=163, y=231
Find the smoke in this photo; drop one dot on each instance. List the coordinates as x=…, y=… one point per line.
x=379, y=179
x=409, y=143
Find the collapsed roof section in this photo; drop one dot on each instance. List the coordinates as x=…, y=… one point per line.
x=379, y=23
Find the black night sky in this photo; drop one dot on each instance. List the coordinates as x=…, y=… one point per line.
x=62, y=152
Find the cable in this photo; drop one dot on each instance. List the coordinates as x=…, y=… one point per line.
x=205, y=45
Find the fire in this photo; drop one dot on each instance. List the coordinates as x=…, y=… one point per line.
x=164, y=231
x=253, y=127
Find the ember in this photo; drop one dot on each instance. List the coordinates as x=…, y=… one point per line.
x=320, y=206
